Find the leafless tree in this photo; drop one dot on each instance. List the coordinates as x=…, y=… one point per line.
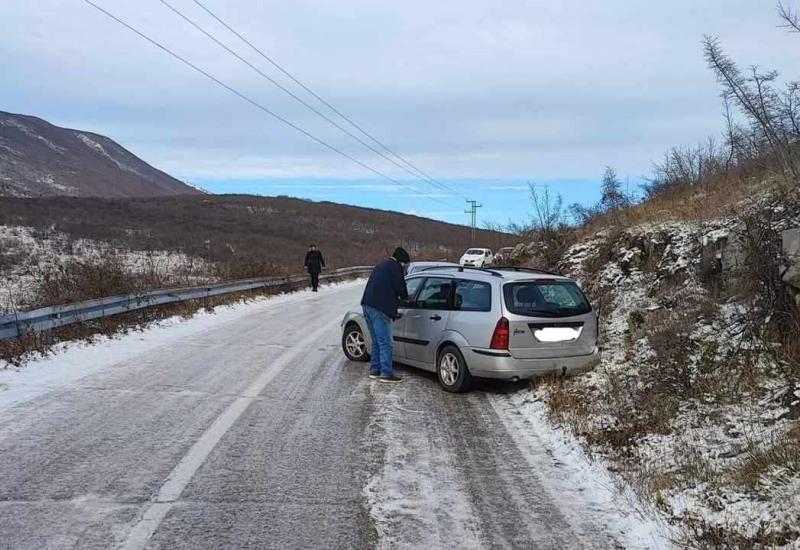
x=772, y=113
x=689, y=166
x=548, y=215
x=791, y=19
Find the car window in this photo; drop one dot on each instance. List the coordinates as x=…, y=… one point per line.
x=412, y=285
x=546, y=298
x=473, y=296
x=473, y=252
x=435, y=293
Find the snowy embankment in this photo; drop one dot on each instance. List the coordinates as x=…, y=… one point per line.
x=690, y=407
x=29, y=256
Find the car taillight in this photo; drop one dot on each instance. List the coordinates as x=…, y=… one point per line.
x=500, y=336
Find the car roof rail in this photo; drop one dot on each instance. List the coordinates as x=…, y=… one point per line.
x=530, y=270
x=461, y=269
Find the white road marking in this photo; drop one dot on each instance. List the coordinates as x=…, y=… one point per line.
x=180, y=476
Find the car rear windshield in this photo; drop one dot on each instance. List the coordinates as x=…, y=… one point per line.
x=545, y=298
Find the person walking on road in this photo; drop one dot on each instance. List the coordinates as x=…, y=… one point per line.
x=385, y=287
x=314, y=264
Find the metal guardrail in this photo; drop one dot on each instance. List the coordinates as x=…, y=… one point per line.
x=14, y=325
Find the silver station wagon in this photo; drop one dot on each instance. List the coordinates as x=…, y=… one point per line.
x=503, y=323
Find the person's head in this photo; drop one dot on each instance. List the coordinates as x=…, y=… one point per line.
x=401, y=256
x=312, y=247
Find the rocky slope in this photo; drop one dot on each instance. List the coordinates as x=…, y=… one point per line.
x=696, y=403
x=40, y=159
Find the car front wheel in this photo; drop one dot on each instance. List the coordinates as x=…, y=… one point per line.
x=452, y=371
x=353, y=343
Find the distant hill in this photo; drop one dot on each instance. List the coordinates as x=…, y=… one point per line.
x=245, y=235
x=39, y=159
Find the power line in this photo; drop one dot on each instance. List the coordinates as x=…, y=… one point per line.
x=473, y=212
x=287, y=91
x=257, y=104
x=419, y=173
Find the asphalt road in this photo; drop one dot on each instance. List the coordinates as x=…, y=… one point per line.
x=258, y=434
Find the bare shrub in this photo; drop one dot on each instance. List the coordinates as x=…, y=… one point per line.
x=77, y=281
x=686, y=167
x=700, y=535
x=775, y=316
x=673, y=374
x=759, y=460
x=547, y=231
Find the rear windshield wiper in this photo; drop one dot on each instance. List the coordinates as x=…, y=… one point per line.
x=570, y=310
x=543, y=313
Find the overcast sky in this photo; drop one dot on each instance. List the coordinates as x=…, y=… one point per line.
x=483, y=96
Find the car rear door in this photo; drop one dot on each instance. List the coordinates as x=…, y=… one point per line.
x=549, y=318
x=472, y=315
x=426, y=321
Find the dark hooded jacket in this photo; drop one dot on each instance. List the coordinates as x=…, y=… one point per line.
x=314, y=261
x=385, y=287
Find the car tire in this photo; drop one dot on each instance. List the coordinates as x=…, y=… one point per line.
x=452, y=370
x=354, y=345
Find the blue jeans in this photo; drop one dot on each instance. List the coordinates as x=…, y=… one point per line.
x=380, y=331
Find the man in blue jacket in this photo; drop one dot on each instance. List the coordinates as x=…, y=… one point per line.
x=386, y=286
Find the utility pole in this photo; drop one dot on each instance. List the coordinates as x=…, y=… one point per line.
x=472, y=209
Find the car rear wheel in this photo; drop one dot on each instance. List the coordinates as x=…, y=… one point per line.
x=354, y=344
x=452, y=370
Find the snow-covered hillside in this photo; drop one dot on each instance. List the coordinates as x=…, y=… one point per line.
x=697, y=399
x=40, y=159
x=29, y=258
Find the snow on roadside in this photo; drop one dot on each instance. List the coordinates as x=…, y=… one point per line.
x=72, y=361
x=575, y=480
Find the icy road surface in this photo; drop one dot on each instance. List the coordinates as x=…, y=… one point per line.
x=246, y=428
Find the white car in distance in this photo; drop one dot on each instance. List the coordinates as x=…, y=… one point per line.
x=476, y=257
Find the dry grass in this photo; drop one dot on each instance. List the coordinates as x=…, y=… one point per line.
x=709, y=201
x=783, y=455
x=699, y=535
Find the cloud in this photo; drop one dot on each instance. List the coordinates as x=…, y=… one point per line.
x=516, y=89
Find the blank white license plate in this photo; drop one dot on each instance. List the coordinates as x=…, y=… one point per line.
x=557, y=334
